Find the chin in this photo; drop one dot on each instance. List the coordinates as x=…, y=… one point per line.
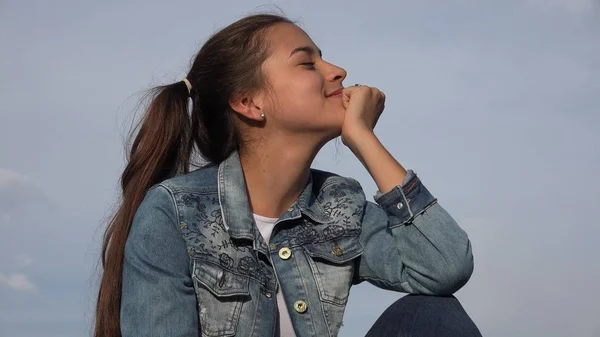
x=334, y=133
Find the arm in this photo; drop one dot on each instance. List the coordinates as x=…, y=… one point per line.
x=158, y=297
x=412, y=244
x=424, y=248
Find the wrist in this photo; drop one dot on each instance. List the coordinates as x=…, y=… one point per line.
x=360, y=142
x=353, y=139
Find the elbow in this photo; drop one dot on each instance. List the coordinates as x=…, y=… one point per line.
x=454, y=277
x=456, y=270
x=446, y=278
x=454, y=273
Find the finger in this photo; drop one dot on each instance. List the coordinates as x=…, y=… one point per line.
x=352, y=89
x=375, y=93
x=349, y=91
x=346, y=93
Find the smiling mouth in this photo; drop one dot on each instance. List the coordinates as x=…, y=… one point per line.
x=336, y=93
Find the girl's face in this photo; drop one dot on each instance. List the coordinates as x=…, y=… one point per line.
x=305, y=90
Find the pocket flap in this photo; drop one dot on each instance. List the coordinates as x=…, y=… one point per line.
x=218, y=281
x=338, y=251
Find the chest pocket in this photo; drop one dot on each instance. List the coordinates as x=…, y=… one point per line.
x=332, y=263
x=220, y=295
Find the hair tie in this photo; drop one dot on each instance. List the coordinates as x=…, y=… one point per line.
x=188, y=85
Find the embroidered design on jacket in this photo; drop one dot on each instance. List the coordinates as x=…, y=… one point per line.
x=207, y=239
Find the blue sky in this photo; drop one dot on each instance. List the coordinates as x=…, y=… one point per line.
x=495, y=104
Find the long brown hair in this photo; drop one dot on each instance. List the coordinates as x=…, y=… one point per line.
x=228, y=63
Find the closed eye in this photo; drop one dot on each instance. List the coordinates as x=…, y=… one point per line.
x=308, y=64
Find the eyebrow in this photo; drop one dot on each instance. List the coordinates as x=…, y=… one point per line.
x=306, y=49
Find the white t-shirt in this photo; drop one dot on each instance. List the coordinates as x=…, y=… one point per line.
x=265, y=226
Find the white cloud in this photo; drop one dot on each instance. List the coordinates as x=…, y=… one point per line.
x=22, y=260
x=18, y=282
x=9, y=178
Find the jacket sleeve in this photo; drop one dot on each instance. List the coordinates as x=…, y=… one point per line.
x=158, y=297
x=411, y=244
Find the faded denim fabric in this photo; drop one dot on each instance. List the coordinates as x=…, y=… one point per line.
x=196, y=265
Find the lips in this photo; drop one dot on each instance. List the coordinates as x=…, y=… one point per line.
x=335, y=93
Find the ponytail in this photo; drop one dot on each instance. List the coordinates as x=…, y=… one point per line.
x=161, y=150
x=229, y=62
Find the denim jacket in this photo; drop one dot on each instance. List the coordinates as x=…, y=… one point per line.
x=196, y=265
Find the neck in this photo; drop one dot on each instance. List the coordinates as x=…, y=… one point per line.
x=276, y=173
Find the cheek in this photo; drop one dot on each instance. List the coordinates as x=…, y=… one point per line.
x=302, y=95
x=301, y=103
x=307, y=88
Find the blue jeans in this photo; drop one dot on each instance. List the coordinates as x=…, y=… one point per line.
x=424, y=316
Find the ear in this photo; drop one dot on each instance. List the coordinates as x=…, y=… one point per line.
x=247, y=106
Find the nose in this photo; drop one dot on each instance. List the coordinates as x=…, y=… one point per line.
x=336, y=73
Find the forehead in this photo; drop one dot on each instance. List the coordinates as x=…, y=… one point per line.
x=285, y=37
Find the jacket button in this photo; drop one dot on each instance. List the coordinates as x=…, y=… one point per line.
x=300, y=306
x=399, y=205
x=337, y=251
x=285, y=253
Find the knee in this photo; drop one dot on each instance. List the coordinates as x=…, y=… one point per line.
x=420, y=315
x=422, y=305
x=439, y=304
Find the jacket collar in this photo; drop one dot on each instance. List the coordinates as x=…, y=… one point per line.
x=233, y=199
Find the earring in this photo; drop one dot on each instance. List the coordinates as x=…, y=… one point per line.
x=262, y=115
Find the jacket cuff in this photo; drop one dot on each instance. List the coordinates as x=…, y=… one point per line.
x=405, y=201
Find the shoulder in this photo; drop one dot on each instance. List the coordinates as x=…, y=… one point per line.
x=203, y=179
x=323, y=178
x=329, y=184
x=161, y=199
x=154, y=223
